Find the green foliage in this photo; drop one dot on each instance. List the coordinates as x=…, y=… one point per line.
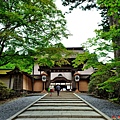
x=113, y=6
x=80, y=59
x=115, y=100
x=79, y=3
x=25, y=63
x=12, y=93
x=99, y=77
x=102, y=47
x=107, y=38
x=112, y=84
x=107, y=41
x=4, y=91
x=54, y=55
x=27, y=27
x=86, y=57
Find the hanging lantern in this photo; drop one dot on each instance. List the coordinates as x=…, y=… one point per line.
x=77, y=78
x=44, y=78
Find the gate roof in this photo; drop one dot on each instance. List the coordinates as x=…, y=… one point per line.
x=60, y=80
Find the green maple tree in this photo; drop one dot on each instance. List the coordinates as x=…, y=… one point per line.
x=107, y=39
x=26, y=28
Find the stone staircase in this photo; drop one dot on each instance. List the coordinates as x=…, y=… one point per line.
x=64, y=107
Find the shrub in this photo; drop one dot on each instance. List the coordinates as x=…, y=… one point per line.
x=96, y=79
x=4, y=91
x=12, y=93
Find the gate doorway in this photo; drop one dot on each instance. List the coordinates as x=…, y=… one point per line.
x=63, y=82
x=63, y=87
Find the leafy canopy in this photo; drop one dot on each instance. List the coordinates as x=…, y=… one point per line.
x=107, y=41
x=27, y=27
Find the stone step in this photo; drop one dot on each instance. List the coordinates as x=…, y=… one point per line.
x=60, y=102
x=59, y=114
x=59, y=97
x=59, y=109
x=60, y=118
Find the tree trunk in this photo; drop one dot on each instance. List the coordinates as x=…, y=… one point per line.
x=114, y=21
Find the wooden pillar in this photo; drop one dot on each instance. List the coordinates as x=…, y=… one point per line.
x=73, y=81
x=10, y=81
x=33, y=78
x=70, y=85
x=48, y=80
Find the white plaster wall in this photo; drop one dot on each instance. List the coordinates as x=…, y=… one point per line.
x=12, y=81
x=67, y=75
x=36, y=67
x=5, y=80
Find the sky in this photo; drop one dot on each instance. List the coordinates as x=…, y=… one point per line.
x=81, y=25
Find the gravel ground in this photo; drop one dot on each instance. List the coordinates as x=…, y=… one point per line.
x=110, y=109
x=9, y=109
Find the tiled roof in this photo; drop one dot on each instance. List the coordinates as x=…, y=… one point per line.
x=88, y=71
